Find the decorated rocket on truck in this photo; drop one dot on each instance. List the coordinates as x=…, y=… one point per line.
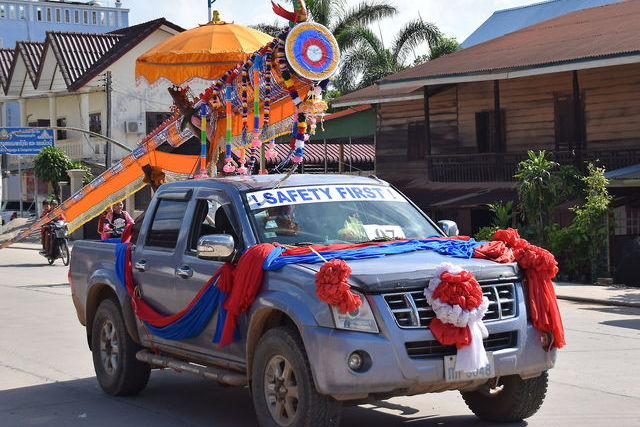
x=277, y=90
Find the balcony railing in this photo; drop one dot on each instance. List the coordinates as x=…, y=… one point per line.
x=493, y=167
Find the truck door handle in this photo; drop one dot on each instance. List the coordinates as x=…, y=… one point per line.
x=140, y=265
x=185, y=272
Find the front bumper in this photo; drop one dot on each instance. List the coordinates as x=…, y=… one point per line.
x=392, y=372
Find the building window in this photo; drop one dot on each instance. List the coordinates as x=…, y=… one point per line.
x=58, y=15
x=95, y=123
x=32, y=124
x=12, y=12
x=3, y=11
x=38, y=14
x=61, y=134
x=490, y=141
x=567, y=121
x=94, y=18
x=21, y=12
x=76, y=16
x=112, y=19
x=48, y=14
x=103, y=18
x=155, y=119
x=85, y=17
x=416, y=141
x=67, y=16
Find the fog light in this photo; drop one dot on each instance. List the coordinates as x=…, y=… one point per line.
x=355, y=361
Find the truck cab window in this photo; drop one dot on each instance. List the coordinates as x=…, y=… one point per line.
x=166, y=224
x=211, y=217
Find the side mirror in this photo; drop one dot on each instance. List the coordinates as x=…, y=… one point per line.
x=215, y=246
x=450, y=228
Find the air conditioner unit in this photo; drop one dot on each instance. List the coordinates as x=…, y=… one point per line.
x=134, y=127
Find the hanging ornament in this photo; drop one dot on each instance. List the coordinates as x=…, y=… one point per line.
x=312, y=51
x=228, y=166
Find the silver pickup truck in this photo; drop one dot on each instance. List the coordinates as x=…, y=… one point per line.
x=301, y=357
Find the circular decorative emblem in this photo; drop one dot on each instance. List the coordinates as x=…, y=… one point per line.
x=312, y=51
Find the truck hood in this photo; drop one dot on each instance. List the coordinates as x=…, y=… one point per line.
x=414, y=269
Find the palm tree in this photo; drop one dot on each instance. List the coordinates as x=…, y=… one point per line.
x=366, y=56
x=338, y=17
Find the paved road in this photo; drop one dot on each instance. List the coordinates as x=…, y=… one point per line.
x=46, y=375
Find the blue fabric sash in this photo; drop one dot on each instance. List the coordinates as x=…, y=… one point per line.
x=455, y=248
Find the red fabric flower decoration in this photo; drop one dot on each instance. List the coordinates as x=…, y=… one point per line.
x=332, y=286
x=459, y=289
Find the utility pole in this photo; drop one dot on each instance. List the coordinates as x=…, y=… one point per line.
x=107, y=151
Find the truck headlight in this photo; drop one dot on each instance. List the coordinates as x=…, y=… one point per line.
x=361, y=319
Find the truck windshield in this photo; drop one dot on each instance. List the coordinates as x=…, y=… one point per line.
x=335, y=214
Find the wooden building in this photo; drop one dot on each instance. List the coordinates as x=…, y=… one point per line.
x=451, y=132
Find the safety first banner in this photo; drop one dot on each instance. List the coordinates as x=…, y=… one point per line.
x=321, y=193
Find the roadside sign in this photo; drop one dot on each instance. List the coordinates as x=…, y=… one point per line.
x=27, y=141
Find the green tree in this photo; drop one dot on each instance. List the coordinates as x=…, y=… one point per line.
x=443, y=46
x=539, y=189
x=592, y=218
x=50, y=165
x=503, y=215
x=367, y=60
x=88, y=176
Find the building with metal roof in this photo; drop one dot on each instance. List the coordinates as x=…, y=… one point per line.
x=513, y=19
x=28, y=20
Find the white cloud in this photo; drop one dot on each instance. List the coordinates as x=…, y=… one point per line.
x=457, y=18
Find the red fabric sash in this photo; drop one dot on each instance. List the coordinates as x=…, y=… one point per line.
x=539, y=267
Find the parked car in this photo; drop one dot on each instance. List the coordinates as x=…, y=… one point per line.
x=301, y=357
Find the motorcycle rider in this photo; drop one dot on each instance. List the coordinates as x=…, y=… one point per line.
x=47, y=228
x=46, y=208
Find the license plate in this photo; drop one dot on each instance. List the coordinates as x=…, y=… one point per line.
x=451, y=375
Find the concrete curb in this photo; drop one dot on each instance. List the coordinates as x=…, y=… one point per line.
x=600, y=301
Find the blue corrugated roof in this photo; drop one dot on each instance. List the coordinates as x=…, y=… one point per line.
x=509, y=20
x=624, y=173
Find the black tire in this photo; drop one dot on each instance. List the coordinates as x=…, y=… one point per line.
x=123, y=375
x=516, y=400
x=310, y=408
x=64, y=252
x=50, y=260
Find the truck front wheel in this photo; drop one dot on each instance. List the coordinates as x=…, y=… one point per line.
x=514, y=399
x=118, y=371
x=284, y=394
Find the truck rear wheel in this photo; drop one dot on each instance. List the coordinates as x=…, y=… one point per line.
x=284, y=394
x=514, y=399
x=118, y=371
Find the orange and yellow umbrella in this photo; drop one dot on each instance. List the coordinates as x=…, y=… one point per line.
x=206, y=52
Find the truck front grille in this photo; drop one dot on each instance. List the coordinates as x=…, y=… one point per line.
x=410, y=309
x=426, y=349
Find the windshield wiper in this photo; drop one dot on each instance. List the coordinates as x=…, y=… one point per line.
x=380, y=239
x=305, y=243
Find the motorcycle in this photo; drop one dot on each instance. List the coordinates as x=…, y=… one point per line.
x=59, y=247
x=116, y=228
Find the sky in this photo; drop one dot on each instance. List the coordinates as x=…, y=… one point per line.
x=455, y=18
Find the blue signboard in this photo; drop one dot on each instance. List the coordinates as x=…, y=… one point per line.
x=31, y=141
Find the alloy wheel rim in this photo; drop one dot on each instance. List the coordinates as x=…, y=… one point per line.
x=281, y=390
x=109, y=347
